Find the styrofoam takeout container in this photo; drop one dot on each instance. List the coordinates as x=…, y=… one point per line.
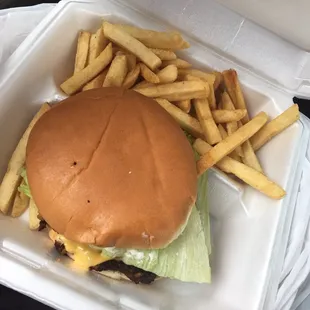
x=248, y=236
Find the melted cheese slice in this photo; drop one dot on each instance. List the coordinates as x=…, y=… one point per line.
x=82, y=254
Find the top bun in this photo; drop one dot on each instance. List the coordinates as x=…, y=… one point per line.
x=111, y=167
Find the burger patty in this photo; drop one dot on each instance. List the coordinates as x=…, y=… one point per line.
x=134, y=274
x=42, y=225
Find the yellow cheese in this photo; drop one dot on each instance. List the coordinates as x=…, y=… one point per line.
x=82, y=254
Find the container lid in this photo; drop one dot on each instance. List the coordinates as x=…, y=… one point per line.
x=290, y=22
x=283, y=64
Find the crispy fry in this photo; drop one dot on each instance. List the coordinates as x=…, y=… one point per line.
x=209, y=128
x=176, y=91
x=97, y=81
x=231, y=126
x=132, y=77
x=98, y=42
x=125, y=40
x=164, y=54
x=131, y=59
x=211, y=98
x=82, y=51
x=249, y=157
x=234, y=90
x=117, y=72
x=208, y=77
x=274, y=127
x=12, y=177
x=155, y=39
x=225, y=116
x=224, y=135
x=218, y=79
x=148, y=74
x=80, y=79
x=222, y=131
x=188, y=77
x=34, y=220
x=143, y=84
x=227, y=145
x=179, y=63
x=184, y=105
x=185, y=121
x=20, y=204
x=168, y=74
x=247, y=174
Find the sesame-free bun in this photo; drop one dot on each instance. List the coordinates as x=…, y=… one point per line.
x=111, y=167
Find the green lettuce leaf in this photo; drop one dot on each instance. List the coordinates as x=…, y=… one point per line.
x=24, y=186
x=185, y=259
x=202, y=206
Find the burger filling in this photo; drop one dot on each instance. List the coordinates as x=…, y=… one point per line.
x=185, y=259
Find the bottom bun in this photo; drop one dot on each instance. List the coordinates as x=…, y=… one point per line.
x=115, y=275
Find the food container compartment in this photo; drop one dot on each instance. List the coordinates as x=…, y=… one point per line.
x=241, y=217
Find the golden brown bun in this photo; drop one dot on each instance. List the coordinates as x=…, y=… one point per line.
x=110, y=167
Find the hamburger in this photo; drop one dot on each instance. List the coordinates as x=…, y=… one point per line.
x=114, y=177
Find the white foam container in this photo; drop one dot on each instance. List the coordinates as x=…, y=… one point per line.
x=250, y=232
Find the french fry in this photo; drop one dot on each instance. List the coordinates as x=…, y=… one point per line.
x=274, y=127
x=222, y=131
x=98, y=42
x=143, y=84
x=34, y=220
x=12, y=177
x=168, y=74
x=225, y=116
x=176, y=91
x=208, y=77
x=20, y=204
x=155, y=39
x=209, y=128
x=97, y=81
x=227, y=145
x=234, y=90
x=179, y=63
x=184, y=105
x=117, y=72
x=247, y=174
x=218, y=79
x=148, y=74
x=131, y=59
x=188, y=77
x=132, y=77
x=164, y=54
x=128, y=42
x=81, y=78
x=249, y=157
x=231, y=126
x=224, y=135
x=82, y=51
x=211, y=98
x=185, y=121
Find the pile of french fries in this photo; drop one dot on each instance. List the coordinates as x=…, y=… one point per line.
x=13, y=201
x=208, y=105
